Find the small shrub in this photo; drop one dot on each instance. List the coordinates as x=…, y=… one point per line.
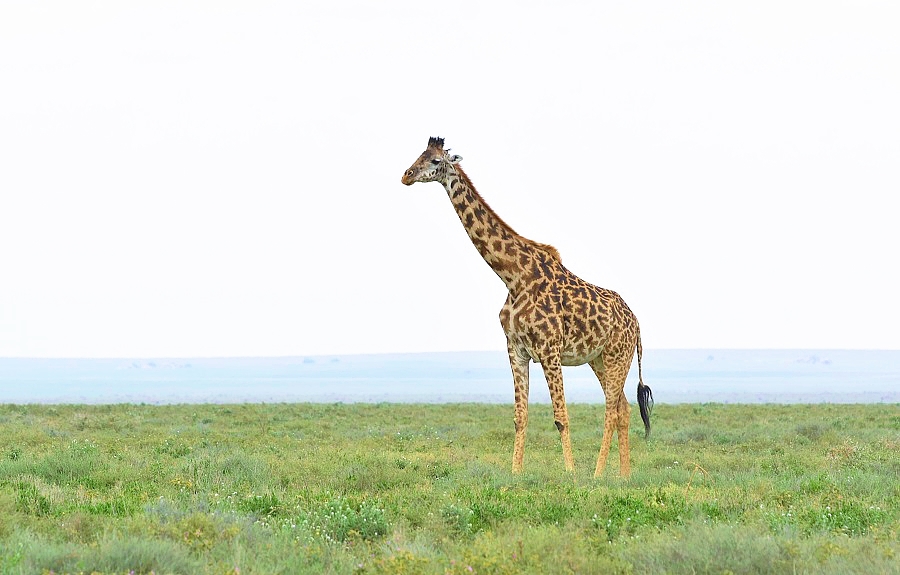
x=76, y=466
x=818, y=483
x=261, y=505
x=625, y=513
x=708, y=549
x=30, y=501
x=340, y=520
x=713, y=510
x=438, y=470
x=397, y=563
x=81, y=527
x=844, y=517
x=199, y=532
x=11, y=557
x=696, y=434
x=460, y=519
x=119, y=554
x=174, y=446
x=811, y=431
x=846, y=454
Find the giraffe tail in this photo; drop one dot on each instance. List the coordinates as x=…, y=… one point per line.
x=644, y=394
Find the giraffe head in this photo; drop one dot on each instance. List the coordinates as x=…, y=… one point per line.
x=432, y=165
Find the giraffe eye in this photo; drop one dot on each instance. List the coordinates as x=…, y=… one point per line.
x=436, y=161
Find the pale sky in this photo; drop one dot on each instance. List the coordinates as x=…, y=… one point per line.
x=184, y=179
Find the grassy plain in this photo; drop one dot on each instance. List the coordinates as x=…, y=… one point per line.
x=370, y=489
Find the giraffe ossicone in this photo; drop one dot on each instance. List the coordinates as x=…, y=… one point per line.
x=551, y=316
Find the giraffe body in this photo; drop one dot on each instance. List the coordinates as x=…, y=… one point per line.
x=551, y=316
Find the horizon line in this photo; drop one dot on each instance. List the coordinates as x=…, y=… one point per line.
x=357, y=354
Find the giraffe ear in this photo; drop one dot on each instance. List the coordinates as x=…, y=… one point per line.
x=455, y=159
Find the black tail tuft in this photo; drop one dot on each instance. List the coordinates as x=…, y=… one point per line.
x=645, y=396
x=645, y=402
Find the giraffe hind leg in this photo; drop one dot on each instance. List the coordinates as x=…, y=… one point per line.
x=609, y=427
x=624, y=419
x=612, y=379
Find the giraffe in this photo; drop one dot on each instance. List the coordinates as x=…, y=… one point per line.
x=551, y=316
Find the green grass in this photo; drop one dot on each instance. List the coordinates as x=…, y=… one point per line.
x=369, y=489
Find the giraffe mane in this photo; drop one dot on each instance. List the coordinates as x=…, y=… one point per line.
x=546, y=248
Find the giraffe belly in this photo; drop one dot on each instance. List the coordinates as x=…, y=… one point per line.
x=576, y=358
x=540, y=349
x=567, y=359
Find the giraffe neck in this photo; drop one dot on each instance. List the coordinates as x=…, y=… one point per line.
x=500, y=246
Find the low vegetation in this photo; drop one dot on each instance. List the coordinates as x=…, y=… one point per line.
x=426, y=489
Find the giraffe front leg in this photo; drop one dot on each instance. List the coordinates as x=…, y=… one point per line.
x=519, y=367
x=553, y=374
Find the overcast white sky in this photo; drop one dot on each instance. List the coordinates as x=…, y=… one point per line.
x=220, y=179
